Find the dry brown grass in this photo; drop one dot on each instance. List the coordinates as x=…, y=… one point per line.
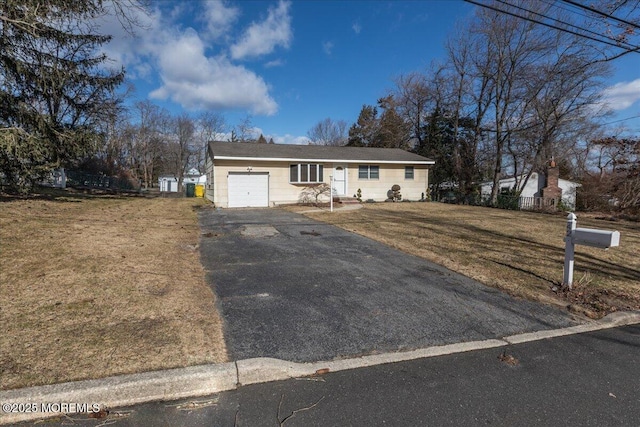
x=519, y=252
x=93, y=286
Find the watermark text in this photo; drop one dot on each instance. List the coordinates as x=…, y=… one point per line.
x=51, y=407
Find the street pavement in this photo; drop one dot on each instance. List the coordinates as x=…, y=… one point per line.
x=296, y=289
x=589, y=379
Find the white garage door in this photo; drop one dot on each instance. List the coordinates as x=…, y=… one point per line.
x=248, y=190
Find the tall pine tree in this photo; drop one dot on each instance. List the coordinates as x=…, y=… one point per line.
x=55, y=88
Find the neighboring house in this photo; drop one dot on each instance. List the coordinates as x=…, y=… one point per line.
x=193, y=176
x=538, y=188
x=57, y=179
x=261, y=175
x=169, y=183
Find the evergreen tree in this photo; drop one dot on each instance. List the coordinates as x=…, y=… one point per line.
x=55, y=92
x=448, y=147
x=392, y=130
x=233, y=137
x=363, y=132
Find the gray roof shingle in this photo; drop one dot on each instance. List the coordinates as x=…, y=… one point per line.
x=257, y=151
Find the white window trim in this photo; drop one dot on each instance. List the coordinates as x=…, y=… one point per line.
x=413, y=173
x=299, y=181
x=368, y=178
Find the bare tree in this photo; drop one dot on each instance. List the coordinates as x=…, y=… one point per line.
x=414, y=98
x=211, y=127
x=610, y=26
x=147, y=140
x=561, y=93
x=612, y=175
x=563, y=104
x=180, y=150
x=313, y=193
x=509, y=96
x=468, y=102
x=111, y=158
x=512, y=44
x=542, y=87
x=329, y=132
x=243, y=132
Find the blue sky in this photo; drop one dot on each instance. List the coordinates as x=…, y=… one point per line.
x=291, y=64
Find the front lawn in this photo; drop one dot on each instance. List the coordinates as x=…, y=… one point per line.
x=94, y=286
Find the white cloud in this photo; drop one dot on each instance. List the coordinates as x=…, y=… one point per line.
x=208, y=82
x=622, y=95
x=142, y=70
x=262, y=38
x=219, y=17
x=189, y=76
x=327, y=47
x=256, y=131
x=289, y=139
x=274, y=63
x=356, y=27
x=122, y=50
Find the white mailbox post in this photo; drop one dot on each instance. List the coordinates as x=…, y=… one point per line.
x=603, y=239
x=331, y=193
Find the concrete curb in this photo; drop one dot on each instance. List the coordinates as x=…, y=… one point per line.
x=610, y=321
x=124, y=390
x=261, y=370
x=174, y=384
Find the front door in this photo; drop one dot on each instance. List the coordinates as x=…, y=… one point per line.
x=340, y=179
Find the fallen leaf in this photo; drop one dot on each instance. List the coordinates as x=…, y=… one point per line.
x=100, y=414
x=508, y=359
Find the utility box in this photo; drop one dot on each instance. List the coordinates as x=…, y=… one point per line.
x=597, y=238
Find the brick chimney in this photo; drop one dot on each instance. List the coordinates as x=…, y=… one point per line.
x=552, y=190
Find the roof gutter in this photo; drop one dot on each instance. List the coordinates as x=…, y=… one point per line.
x=286, y=159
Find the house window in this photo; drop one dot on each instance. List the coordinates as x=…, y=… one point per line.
x=368, y=172
x=408, y=172
x=306, y=173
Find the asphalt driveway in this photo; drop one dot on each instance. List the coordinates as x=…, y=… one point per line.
x=296, y=289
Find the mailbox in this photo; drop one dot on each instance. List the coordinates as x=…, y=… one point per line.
x=597, y=238
x=603, y=239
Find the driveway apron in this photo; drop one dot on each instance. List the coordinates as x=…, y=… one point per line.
x=297, y=289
